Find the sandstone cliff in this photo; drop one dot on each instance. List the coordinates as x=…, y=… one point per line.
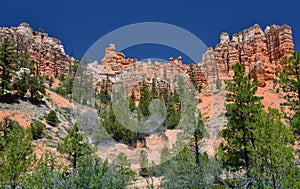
x=261, y=52
x=117, y=68
x=47, y=52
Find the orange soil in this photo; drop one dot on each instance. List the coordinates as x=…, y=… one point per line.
x=19, y=116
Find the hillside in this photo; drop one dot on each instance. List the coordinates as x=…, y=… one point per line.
x=43, y=89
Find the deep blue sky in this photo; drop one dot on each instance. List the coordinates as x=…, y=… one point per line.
x=78, y=24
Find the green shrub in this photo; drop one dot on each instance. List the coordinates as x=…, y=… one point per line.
x=37, y=130
x=52, y=118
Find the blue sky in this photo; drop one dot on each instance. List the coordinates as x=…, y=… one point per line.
x=78, y=24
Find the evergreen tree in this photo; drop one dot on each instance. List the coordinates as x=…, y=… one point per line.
x=104, y=95
x=132, y=101
x=145, y=98
x=173, y=108
x=16, y=154
x=46, y=173
x=8, y=63
x=37, y=130
x=242, y=110
x=36, y=87
x=290, y=85
x=199, y=133
x=51, y=81
x=173, y=116
x=272, y=156
x=91, y=172
x=181, y=171
x=295, y=122
x=154, y=93
x=192, y=75
x=21, y=83
x=117, y=131
x=52, y=118
x=123, y=161
x=290, y=80
x=26, y=81
x=24, y=60
x=144, y=163
x=75, y=144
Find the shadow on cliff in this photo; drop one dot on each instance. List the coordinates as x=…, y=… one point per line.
x=9, y=99
x=15, y=99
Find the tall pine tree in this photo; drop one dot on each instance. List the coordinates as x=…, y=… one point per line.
x=16, y=154
x=154, y=93
x=75, y=144
x=242, y=110
x=145, y=98
x=8, y=63
x=290, y=85
x=272, y=156
x=132, y=101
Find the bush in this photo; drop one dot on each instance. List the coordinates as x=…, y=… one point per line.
x=52, y=118
x=61, y=91
x=37, y=130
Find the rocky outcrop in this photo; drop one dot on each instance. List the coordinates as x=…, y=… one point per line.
x=116, y=67
x=261, y=52
x=115, y=62
x=47, y=52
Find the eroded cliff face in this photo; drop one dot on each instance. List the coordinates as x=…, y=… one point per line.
x=47, y=52
x=131, y=72
x=261, y=52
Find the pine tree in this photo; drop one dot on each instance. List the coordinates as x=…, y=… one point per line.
x=46, y=173
x=21, y=83
x=173, y=116
x=199, y=133
x=192, y=75
x=272, y=156
x=91, y=172
x=75, y=144
x=132, y=101
x=154, y=93
x=36, y=87
x=8, y=63
x=51, y=81
x=25, y=61
x=37, y=130
x=290, y=85
x=123, y=161
x=104, y=95
x=144, y=163
x=145, y=98
x=80, y=83
x=16, y=154
x=116, y=130
x=173, y=110
x=52, y=118
x=242, y=110
x=181, y=171
x=26, y=81
x=290, y=80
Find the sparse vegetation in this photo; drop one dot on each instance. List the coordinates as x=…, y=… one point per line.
x=256, y=149
x=37, y=130
x=52, y=118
